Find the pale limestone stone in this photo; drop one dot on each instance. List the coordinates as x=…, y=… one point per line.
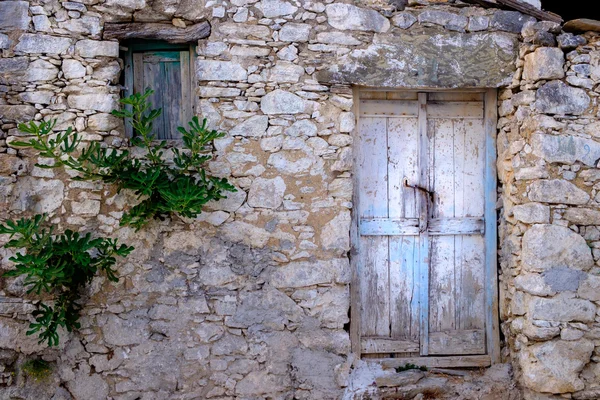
x=101, y=102
x=544, y=63
x=216, y=275
x=533, y=284
x=562, y=309
x=557, y=98
x=341, y=38
x=268, y=307
x=255, y=127
x=344, y=161
x=286, y=72
x=250, y=51
x=95, y=48
x=478, y=23
x=347, y=122
x=108, y=72
x=532, y=213
x=557, y=191
x=551, y=246
x=535, y=332
x=272, y=144
x=209, y=70
x=444, y=18
x=86, y=207
x=231, y=203
x=5, y=41
x=41, y=23
x=37, y=43
x=292, y=32
x=73, y=69
x=103, y=122
x=282, y=102
x=554, y=367
x=37, y=97
x=589, y=288
x=266, y=193
x=288, y=53
x=37, y=195
x=258, y=383
x=125, y=332
x=291, y=162
x=334, y=234
x=275, y=8
x=583, y=216
x=88, y=386
x=348, y=17
x=565, y=149
x=245, y=30
x=41, y=70
x=404, y=20
x=250, y=235
x=86, y=25
x=14, y=16
x=306, y=273
x=302, y=127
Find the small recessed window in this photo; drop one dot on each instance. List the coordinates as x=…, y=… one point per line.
x=168, y=70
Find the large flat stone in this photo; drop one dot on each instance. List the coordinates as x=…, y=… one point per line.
x=566, y=149
x=562, y=309
x=558, y=98
x=582, y=25
x=91, y=101
x=348, y=17
x=544, y=63
x=210, y=70
x=19, y=113
x=14, y=15
x=266, y=193
x=557, y=191
x=33, y=43
x=448, y=60
x=96, y=48
x=282, y=102
x=554, y=367
x=309, y=273
x=553, y=246
x=12, y=70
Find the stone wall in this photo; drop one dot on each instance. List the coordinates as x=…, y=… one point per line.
x=548, y=153
x=251, y=299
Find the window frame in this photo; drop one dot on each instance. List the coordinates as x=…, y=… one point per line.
x=130, y=47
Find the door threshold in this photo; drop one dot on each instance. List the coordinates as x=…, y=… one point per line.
x=435, y=362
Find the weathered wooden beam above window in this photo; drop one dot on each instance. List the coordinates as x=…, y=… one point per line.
x=157, y=31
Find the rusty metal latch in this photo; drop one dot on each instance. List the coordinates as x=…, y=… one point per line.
x=423, y=217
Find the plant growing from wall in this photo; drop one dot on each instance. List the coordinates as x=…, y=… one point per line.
x=181, y=186
x=61, y=266
x=37, y=369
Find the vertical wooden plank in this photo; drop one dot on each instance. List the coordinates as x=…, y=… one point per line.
x=186, y=113
x=194, y=81
x=128, y=91
x=374, y=259
x=491, y=233
x=442, y=272
x=172, y=98
x=470, y=266
x=403, y=153
x=424, y=238
x=138, y=73
x=355, y=293
x=152, y=78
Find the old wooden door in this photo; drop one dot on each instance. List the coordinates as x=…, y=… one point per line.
x=167, y=70
x=426, y=225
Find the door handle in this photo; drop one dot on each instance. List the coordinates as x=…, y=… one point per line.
x=423, y=192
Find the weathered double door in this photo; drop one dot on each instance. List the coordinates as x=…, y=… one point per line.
x=426, y=224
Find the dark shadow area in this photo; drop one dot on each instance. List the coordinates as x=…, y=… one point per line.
x=573, y=9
